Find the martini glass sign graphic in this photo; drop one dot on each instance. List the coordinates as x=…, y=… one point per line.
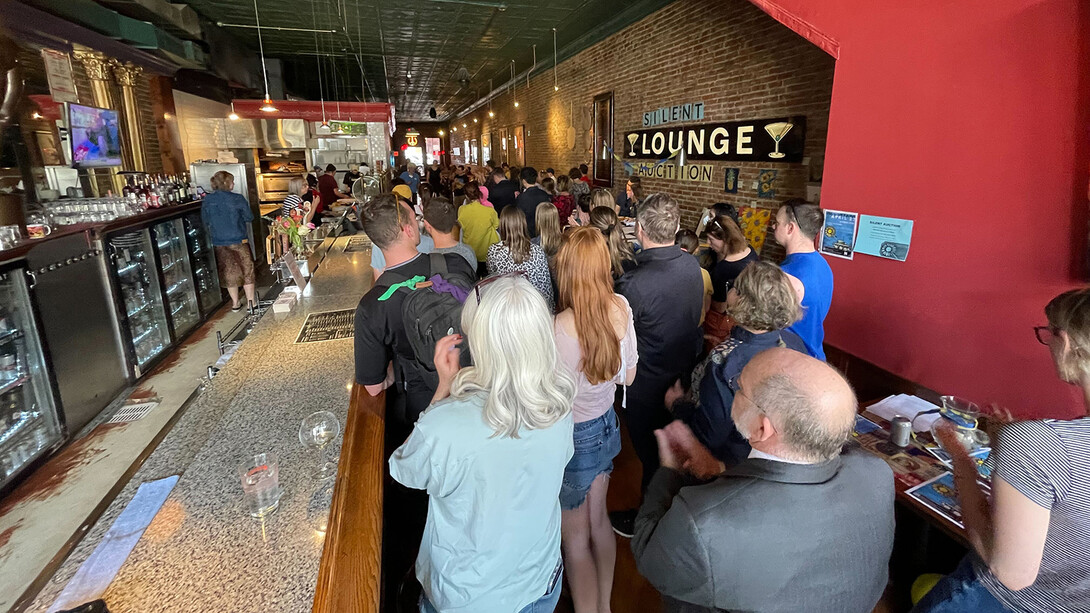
x=632, y=138
x=777, y=131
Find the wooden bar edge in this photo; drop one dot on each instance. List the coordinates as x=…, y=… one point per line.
x=350, y=573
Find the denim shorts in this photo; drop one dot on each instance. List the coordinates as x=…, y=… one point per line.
x=597, y=442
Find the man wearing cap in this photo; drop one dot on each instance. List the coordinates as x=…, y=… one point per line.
x=427, y=245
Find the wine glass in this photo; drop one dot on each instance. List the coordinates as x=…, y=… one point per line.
x=317, y=431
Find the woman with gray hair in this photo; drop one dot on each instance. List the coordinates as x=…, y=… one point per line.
x=763, y=303
x=491, y=452
x=226, y=214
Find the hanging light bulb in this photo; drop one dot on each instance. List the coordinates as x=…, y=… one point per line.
x=233, y=116
x=514, y=90
x=474, y=120
x=556, y=84
x=490, y=113
x=324, y=127
x=464, y=125
x=268, y=105
x=441, y=132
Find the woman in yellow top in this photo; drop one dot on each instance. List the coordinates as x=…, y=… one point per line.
x=479, y=225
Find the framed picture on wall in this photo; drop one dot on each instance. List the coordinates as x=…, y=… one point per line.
x=502, y=155
x=519, y=145
x=602, y=168
x=47, y=146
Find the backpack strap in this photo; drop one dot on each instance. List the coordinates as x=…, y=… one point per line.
x=438, y=263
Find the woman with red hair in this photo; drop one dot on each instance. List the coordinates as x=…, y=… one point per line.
x=596, y=340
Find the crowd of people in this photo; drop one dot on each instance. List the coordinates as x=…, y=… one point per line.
x=502, y=431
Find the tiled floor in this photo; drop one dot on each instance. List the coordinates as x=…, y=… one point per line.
x=50, y=511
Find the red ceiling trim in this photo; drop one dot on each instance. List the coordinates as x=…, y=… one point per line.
x=311, y=110
x=800, y=26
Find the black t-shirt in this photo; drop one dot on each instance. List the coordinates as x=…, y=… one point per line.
x=434, y=177
x=724, y=274
x=380, y=333
x=502, y=194
x=350, y=178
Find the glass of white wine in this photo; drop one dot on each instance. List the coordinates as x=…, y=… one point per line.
x=317, y=431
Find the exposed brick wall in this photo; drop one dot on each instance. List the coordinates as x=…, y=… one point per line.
x=727, y=53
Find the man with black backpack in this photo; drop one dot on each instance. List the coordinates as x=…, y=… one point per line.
x=389, y=348
x=417, y=300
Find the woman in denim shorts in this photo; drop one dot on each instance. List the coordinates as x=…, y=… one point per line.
x=596, y=340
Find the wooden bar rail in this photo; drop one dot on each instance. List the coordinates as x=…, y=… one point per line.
x=350, y=573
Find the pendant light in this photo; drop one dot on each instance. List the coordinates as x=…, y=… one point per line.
x=490, y=113
x=324, y=127
x=268, y=105
x=514, y=90
x=233, y=116
x=556, y=84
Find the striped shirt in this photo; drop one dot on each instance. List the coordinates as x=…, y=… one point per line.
x=291, y=203
x=1049, y=462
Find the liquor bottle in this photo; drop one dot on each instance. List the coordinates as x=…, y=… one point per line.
x=127, y=191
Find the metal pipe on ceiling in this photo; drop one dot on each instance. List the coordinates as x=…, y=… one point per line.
x=277, y=28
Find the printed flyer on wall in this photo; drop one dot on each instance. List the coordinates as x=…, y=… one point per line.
x=838, y=234
x=884, y=237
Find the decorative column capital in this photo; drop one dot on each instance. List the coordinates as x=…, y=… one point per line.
x=95, y=63
x=125, y=73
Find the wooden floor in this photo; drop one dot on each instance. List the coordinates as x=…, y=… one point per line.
x=631, y=592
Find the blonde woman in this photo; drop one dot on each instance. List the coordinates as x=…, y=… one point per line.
x=490, y=451
x=605, y=219
x=226, y=214
x=515, y=253
x=1029, y=540
x=294, y=202
x=600, y=196
x=547, y=219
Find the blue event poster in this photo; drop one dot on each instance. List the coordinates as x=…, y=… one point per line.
x=884, y=237
x=838, y=234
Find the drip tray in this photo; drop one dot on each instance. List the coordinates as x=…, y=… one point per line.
x=357, y=243
x=328, y=326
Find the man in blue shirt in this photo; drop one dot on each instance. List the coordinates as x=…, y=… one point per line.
x=797, y=224
x=412, y=179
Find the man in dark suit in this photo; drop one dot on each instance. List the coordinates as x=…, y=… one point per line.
x=798, y=526
x=502, y=192
x=531, y=196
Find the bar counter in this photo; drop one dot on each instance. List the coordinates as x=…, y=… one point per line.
x=203, y=552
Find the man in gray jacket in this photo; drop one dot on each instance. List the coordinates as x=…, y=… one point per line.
x=798, y=526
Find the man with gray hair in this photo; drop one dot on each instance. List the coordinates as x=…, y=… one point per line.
x=666, y=293
x=798, y=526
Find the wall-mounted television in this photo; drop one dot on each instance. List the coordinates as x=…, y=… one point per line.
x=95, y=136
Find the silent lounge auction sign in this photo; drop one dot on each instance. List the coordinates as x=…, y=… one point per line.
x=779, y=139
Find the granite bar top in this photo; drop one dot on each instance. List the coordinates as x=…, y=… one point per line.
x=203, y=552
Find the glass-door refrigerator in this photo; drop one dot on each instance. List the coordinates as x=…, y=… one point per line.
x=145, y=327
x=30, y=424
x=177, y=280
x=203, y=259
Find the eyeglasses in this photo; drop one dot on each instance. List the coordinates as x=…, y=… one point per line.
x=793, y=218
x=735, y=386
x=1045, y=334
x=484, y=282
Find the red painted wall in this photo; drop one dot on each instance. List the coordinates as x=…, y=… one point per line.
x=969, y=117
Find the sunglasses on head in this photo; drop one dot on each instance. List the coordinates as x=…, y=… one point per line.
x=485, y=282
